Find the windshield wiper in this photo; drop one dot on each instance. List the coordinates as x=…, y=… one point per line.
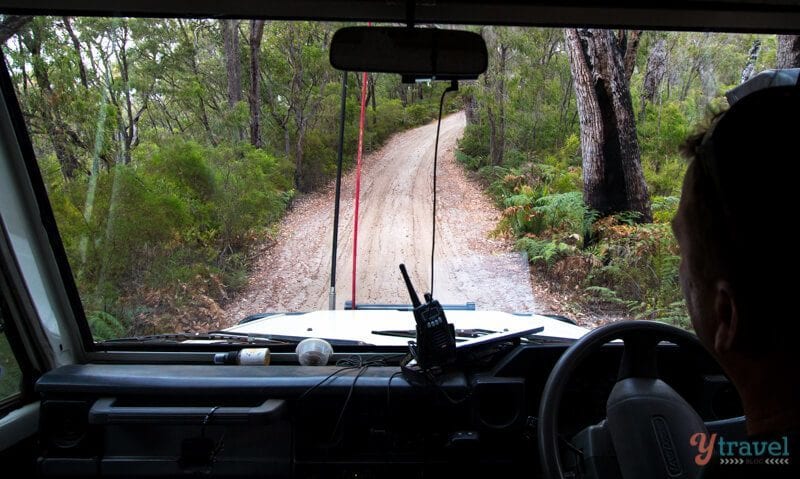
x=229, y=337
x=539, y=339
x=217, y=337
x=461, y=334
x=465, y=334
x=285, y=339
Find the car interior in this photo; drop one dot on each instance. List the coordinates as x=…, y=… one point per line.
x=540, y=408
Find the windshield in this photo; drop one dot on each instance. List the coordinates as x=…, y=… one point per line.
x=191, y=167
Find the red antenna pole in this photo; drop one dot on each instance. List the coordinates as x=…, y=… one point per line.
x=364, y=80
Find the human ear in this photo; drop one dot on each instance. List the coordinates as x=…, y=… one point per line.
x=727, y=319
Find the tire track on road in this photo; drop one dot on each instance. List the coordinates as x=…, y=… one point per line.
x=395, y=226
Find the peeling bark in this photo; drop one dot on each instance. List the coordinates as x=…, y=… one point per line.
x=612, y=172
x=788, y=51
x=654, y=75
x=752, y=58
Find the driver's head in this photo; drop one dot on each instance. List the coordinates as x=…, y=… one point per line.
x=735, y=223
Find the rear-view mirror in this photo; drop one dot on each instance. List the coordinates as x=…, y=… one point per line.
x=414, y=53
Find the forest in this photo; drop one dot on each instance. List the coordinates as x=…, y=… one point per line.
x=170, y=148
x=576, y=134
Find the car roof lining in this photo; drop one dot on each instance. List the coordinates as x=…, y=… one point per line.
x=726, y=15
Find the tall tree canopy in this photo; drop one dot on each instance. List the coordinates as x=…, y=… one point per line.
x=170, y=146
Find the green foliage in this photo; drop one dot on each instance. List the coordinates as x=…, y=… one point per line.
x=168, y=196
x=181, y=216
x=475, y=141
x=544, y=252
x=182, y=167
x=11, y=377
x=419, y=113
x=104, y=326
x=252, y=190
x=664, y=129
x=560, y=213
x=386, y=119
x=640, y=267
x=664, y=208
x=614, y=261
x=468, y=161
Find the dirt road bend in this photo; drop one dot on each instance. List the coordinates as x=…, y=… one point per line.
x=293, y=274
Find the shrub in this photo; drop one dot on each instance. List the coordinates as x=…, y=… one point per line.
x=475, y=141
x=664, y=208
x=174, y=225
x=387, y=120
x=563, y=213
x=640, y=265
x=469, y=162
x=105, y=326
x=544, y=252
x=248, y=194
x=420, y=113
x=667, y=179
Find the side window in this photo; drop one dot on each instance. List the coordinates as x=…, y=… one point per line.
x=10, y=374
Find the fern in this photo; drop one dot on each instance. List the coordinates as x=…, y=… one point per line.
x=105, y=326
x=630, y=218
x=605, y=294
x=563, y=212
x=519, y=200
x=544, y=251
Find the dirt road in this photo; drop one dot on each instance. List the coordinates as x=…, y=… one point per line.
x=394, y=227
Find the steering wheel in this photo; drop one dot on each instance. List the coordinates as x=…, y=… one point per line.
x=648, y=422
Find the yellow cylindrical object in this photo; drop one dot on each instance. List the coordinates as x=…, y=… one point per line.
x=254, y=357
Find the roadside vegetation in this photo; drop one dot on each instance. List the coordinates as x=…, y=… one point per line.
x=10, y=375
x=170, y=148
x=527, y=120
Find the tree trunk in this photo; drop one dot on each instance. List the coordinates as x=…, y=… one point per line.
x=470, y=109
x=495, y=107
x=54, y=124
x=497, y=143
x=788, y=51
x=230, y=37
x=201, y=102
x=752, y=58
x=23, y=68
x=307, y=91
x=566, y=97
x=402, y=93
x=77, y=45
x=612, y=172
x=300, y=180
x=373, y=98
x=654, y=75
x=126, y=131
x=233, y=70
x=628, y=43
x=254, y=98
x=11, y=24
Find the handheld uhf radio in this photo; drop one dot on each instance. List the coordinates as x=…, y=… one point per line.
x=436, y=342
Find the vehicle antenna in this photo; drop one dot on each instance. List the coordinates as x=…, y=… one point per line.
x=453, y=87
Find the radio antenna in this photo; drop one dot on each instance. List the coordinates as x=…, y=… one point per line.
x=453, y=87
x=411, y=292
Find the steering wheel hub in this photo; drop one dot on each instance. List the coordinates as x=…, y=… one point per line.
x=648, y=422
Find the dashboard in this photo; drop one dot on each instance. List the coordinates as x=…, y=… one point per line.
x=286, y=420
